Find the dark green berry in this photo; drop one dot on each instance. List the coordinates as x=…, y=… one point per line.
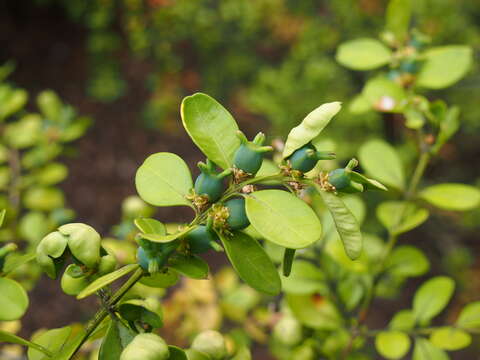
x=237, y=218
x=153, y=256
x=209, y=183
x=249, y=156
x=200, y=239
x=339, y=178
x=305, y=158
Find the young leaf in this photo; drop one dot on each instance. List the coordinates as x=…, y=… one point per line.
x=437, y=71
x=425, y=350
x=211, y=127
x=469, y=317
x=432, y=297
x=164, y=180
x=450, y=196
x=53, y=340
x=399, y=216
x=404, y=320
x=380, y=160
x=363, y=54
x=398, y=18
x=117, y=338
x=346, y=224
x=384, y=95
x=310, y=127
x=191, y=266
x=6, y=337
x=392, y=344
x=450, y=338
x=252, y=263
x=159, y=238
x=106, y=280
x=150, y=226
x=407, y=260
x=282, y=218
x=13, y=300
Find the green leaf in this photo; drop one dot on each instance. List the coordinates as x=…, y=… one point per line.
x=176, y=353
x=13, y=300
x=305, y=279
x=143, y=311
x=43, y=198
x=252, y=263
x=15, y=260
x=196, y=355
x=160, y=279
x=450, y=196
x=437, y=71
x=211, y=127
x=164, y=180
x=469, y=317
x=399, y=216
x=359, y=105
x=404, y=320
x=6, y=337
x=363, y=54
x=346, y=224
x=106, y=280
x=370, y=184
x=314, y=311
x=53, y=340
x=70, y=347
x=117, y=338
x=310, y=127
x=191, y=266
x=449, y=338
x=425, y=350
x=166, y=238
x=384, y=95
x=282, y=218
x=380, y=160
x=398, y=17
x=150, y=226
x=392, y=344
x=407, y=261
x=432, y=297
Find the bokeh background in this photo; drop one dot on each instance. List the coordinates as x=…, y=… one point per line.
x=128, y=63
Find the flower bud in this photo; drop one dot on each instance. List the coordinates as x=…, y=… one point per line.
x=211, y=343
x=83, y=242
x=72, y=285
x=51, y=247
x=209, y=183
x=146, y=346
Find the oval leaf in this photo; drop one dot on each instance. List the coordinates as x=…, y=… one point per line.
x=106, y=280
x=389, y=214
x=13, y=298
x=211, y=127
x=310, y=127
x=363, y=54
x=117, y=338
x=346, y=224
x=469, y=318
x=425, y=350
x=380, y=160
x=449, y=196
x=164, y=180
x=449, y=338
x=150, y=226
x=282, y=218
x=384, y=95
x=191, y=266
x=432, y=297
x=314, y=311
x=252, y=263
x=53, y=340
x=392, y=344
x=407, y=261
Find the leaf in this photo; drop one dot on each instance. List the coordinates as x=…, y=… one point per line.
x=346, y=224
x=176, y=353
x=310, y=127
x=211, y=127
x=398, y=17
x=437, y=71
x=451, y=196
x=449, y=338
x=43, y=198
x=117, y=338
x=6, y=337
x=166, y=238
x=282, y=218
x=106, y=280
x=384, y=95
x=53, y=340
x=191, y=266
x=14, y=261
x=359, y=105
x=407, y=261
x=13, y=300
x=469, y=317
x=150, y=226
x=305, y=279
x=160, y=279
x=403, y=320
x=196, y=355
x=399, y=216
x=380, y=160
x=314, y=311
x=252, y=263
x=70, y=347
x=425, y=350
x=2, y=216
x=370, y=184
x=164, y=180
x=363, y=54
x=392, y=344
x=432, y=297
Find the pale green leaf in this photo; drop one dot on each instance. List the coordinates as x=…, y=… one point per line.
x=404, y=320
x=449, y=338
x=399, y=216
x=469, y=317
x=314, y=311
x=398, y=18
x=384, y=95
x=432, y=297
x=363, y=54
x=407, y=260
x=166, y=238
x=425, y=350
x=392, y=344
x=13, y=300
x=150, y=226
x=450, y=196
x=53, y=340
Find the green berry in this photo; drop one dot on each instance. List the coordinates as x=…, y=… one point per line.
x=146, y=346
x=305, y=158
x=209, y=183
x=237, y=218
x=249, y=156
x=200, y=239
x=212, y=343
x=72, y=285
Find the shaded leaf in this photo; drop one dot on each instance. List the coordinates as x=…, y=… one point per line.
x=363, y=54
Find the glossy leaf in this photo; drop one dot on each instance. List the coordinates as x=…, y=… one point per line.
x=380, y=160
x=191, y=266
x=384, y=95
x=398, y=18
x=406, y=260
x=363, y=54
x=106, y=280
x=392, y=344
x=164, y=180
x=437, y=71
x=425, y=350
x=53, y=340
x=346, y=224
x=282, y=218
x=252, y=263
x=166, y=238
x=432, y=297
x=211, y=127
x=13, y=300
x=450, y=196
x=117, y=338
x=150, y=226
x=469, y=317
x=449, y=338
x=399, y=216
